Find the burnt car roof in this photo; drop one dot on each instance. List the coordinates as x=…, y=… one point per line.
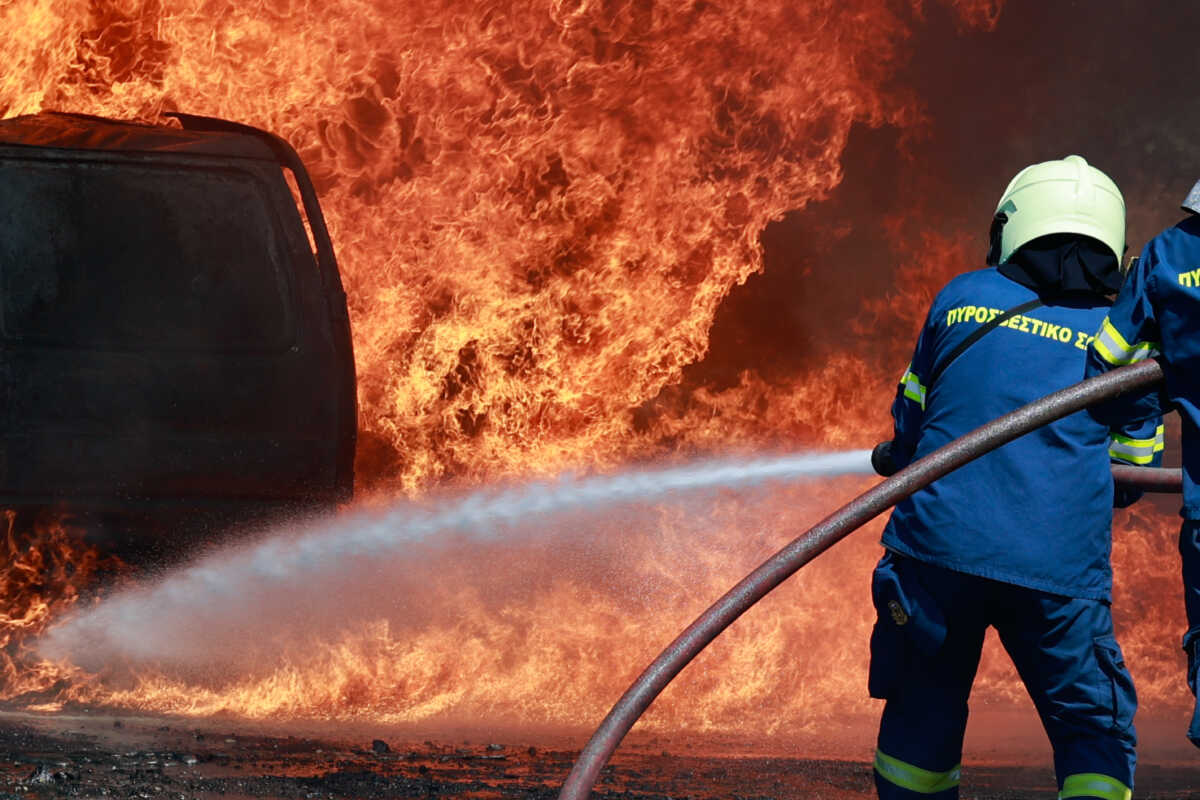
x=84, y=132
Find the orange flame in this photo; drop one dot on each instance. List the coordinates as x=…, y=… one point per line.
x=46, y=567
x=538, y=208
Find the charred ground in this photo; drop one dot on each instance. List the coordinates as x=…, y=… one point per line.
x=85, y=754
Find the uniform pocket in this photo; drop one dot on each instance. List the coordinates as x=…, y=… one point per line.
x=909, y=624
x=1116, y=690
x=887, y=660
x=901, y=600
x=887, y=638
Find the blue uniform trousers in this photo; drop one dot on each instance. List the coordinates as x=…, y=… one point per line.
x=1189, y=550
x=924, y=654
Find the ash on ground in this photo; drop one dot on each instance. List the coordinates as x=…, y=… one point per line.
x=90, y=755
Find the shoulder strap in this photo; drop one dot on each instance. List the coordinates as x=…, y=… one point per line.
x=978, y=333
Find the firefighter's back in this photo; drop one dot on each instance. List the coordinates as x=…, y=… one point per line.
x=1036, y=512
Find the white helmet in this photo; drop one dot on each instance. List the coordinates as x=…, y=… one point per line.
x=1067, y=196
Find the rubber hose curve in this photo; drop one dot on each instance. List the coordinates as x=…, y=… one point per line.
x=821, y=537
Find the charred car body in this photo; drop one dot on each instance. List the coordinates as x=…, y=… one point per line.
x=169, y=341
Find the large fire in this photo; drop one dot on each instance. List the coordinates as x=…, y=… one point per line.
x=538, y=208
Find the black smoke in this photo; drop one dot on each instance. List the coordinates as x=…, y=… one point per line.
x=1112, y=81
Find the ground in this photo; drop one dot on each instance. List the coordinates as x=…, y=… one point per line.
x=91, y=755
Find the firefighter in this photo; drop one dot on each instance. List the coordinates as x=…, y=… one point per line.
x=1020, y=538
x=1158, y=314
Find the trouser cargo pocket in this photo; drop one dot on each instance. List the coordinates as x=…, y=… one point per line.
x=1115, y=688
x=908, y=622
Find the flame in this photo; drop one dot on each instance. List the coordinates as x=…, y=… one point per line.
x=47, y=569
x=538, y=209
x=507, y=635
x=538, y=206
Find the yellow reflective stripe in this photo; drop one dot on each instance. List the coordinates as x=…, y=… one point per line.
x=1092, y=784
x=1112, y=331
x=913, y=389
x=915, y=779
x=1113, y=348
x=1121, y=453
x=1136, y=451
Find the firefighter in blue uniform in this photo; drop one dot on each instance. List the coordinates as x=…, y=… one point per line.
x=1019, y=539
x=1157, y=314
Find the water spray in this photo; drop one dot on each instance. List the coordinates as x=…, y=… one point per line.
x=834, y=528
x=143, y=622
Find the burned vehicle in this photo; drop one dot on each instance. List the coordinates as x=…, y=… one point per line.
x=170, y=343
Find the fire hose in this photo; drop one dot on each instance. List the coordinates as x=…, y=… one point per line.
x=849, y=518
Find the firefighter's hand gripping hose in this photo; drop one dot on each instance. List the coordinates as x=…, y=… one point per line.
x=833, y=528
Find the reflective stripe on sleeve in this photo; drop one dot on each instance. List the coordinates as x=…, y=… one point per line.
x=1136, y=451
x=1091, y=784
x=913, y=389
x=1113, y=348
x=915, y=779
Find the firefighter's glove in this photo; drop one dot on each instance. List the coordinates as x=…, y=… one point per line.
x=1192, y=646
x=882, y=461
x=1125, y=496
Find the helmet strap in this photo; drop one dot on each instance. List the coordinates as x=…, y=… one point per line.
x=995, y=234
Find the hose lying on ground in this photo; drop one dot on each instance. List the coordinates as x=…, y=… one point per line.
x=833, y=528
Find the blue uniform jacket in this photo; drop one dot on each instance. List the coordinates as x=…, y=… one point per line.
x=1158, y=313
x=1038, y=511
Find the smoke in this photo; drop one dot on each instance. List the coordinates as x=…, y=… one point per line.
x=507, y=204
x=853, y=275
x=1046, y=81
